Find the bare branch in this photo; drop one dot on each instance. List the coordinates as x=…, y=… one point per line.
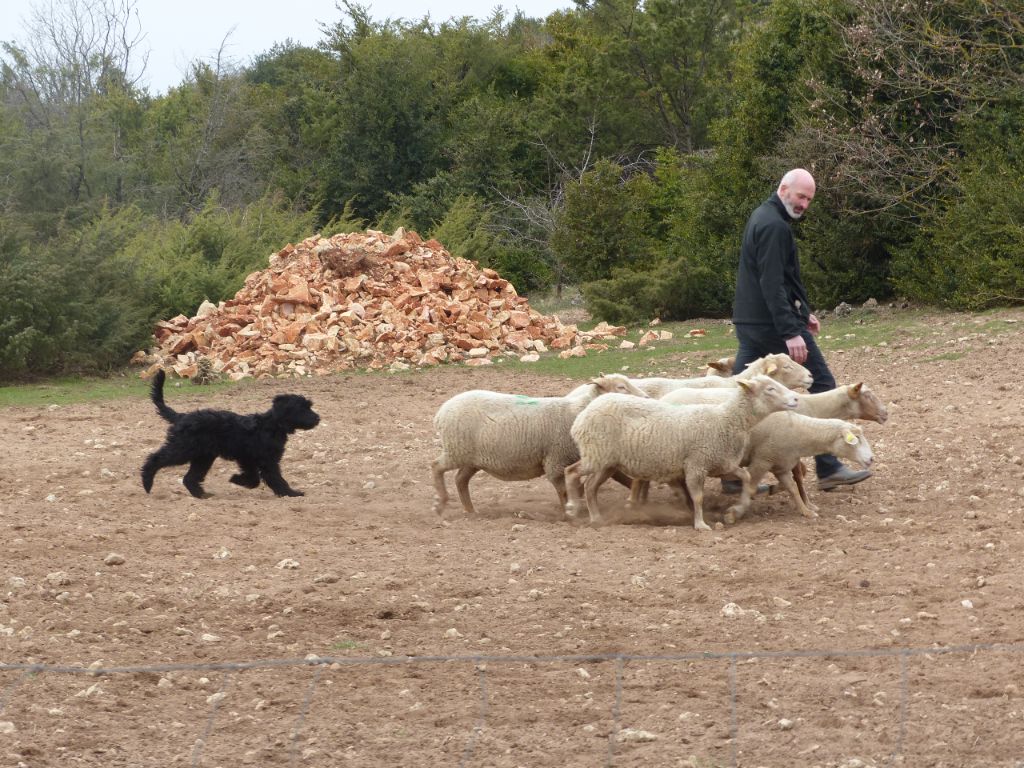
x=923, y=70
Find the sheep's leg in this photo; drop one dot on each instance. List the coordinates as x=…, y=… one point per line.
x=682, y=495
x=573, y=488
x=439, y=467
x=462, y=478
x=695, y=487
x=637, y=493
x=556, y=476
x=637, y=488
x=622, y=478
x=591, y=487
x=563, y=495
x=754, y=474
x=786, y=481
x=799, y=473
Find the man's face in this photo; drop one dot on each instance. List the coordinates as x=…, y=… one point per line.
x=796, y=198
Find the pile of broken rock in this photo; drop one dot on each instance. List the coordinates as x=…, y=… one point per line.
x=363, y=300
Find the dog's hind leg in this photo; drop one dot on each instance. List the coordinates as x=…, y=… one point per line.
x=197, y=470
x=167, y=456
x=149, y=470
x=248, y=477
x=272, y=477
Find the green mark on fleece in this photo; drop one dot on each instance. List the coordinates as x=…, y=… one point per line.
x=525, y=400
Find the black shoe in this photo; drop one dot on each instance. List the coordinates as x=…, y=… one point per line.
x=843, y=476
x=735, y=487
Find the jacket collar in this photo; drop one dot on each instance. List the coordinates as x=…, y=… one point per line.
x=776, y=201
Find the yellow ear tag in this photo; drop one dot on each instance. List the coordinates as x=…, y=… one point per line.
x=851, y=438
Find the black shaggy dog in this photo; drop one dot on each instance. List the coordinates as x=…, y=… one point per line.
x=255, y=441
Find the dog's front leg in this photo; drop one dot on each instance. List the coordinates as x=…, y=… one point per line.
x=272, y=477
x=197, y=470
x=248, y=476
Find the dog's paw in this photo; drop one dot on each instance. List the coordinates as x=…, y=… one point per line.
x=244, y=480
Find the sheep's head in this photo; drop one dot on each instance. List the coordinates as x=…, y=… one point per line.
x=854, y=446
x=870, y=406
x=770, y=395
x=784, y=370
x=616, y=382
x=720, y=367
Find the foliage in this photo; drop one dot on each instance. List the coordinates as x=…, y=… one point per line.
x=967, y=255
x=468, y=229
x=208, y=256
x=605, y=223
x=74, y=306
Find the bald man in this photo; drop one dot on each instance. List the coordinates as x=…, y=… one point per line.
x=771, y=312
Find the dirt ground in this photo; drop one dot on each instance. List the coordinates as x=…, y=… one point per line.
x=889, y=631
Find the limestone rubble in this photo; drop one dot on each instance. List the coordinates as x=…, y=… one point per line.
x=363, y=300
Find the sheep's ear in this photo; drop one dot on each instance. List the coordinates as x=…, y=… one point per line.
x=851, y=438
x=718, y=366
x=854, y=391
x=770, y=369
x=747, y=386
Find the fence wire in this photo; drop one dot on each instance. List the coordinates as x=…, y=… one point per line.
x=482, y=662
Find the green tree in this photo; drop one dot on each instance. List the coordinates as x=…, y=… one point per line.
x=606, y=222
x=968, y=251
x=73, y=87
x=75, y=305
x=385, y=125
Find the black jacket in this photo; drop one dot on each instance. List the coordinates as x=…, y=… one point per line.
x=768, y=286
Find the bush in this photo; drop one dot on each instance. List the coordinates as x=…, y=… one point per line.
x=209, y=256
x=675, y=291
x=468, y=230
x=967, y=255
x=74, y=305
x=606, y=222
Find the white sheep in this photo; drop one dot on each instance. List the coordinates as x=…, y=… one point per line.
x=780, y=367
x=779, y=442
x=849, y=401
x=512, y=437
x=658, y=441
x=846, y=401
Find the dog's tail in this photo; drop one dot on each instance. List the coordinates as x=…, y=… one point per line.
x=156, y=393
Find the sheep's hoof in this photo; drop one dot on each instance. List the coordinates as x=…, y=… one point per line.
x=571, y=510
x=734, y=513
x=701, y=526
x=810, y=513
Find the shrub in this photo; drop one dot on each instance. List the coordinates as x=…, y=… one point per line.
x=967, y=254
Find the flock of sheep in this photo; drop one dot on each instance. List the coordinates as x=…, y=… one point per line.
x=643, y=430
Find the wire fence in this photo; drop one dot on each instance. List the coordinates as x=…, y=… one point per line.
x=482, y=663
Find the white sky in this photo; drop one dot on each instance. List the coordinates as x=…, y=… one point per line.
x=180, y=31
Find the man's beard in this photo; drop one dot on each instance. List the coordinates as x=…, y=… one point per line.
x=789, y=209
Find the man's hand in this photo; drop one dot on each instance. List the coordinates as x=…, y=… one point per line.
x=797, y=349
x=813, y=324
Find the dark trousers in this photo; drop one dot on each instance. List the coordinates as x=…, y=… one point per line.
x=759, y=340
